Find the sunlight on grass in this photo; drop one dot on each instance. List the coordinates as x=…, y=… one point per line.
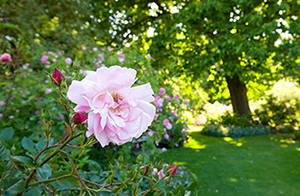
x=233, y=180
x=179, y=163
x=194, y=144
x=238, y=142
x=298, y=149
x=195, y=128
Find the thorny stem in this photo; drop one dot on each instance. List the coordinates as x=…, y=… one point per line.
x=50, y=156
x=80, y=179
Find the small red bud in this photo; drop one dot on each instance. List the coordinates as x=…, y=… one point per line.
x=172, y=170
x=144, y=169
x=79, y=117
x=57, y=75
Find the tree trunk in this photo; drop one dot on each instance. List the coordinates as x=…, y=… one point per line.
x=238, y=95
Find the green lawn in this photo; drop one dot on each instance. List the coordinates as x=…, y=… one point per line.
x=261, y=165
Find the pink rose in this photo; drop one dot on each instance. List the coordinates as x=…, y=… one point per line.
x=68, y=60
x=162, y=91
x=168, y=98
x=166, y=122
x=159, y=102
x=150, y=133
x=101, y=57
x=44, y=59
x=48, y=90
x=6, y=57
x=118, y=112
x=166, y=136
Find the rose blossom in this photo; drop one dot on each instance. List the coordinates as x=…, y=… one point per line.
x=6, y=57
x=68, y=60
x=168, y=98
x=162, y=91
x=118, y=112
x=44, y=59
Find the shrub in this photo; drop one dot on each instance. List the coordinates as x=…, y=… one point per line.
x=235, y=131
x=278, y=114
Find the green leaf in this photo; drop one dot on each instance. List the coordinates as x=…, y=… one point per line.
x=40, y=145
x=193, y=186
x=7, y=133
x=3, y=83
x=179, y=190
x=44, y=172
x=64, y=183
x=94, y=166
x=27, y=144
x=23, y=159
x=37, y=190
x=16, y=188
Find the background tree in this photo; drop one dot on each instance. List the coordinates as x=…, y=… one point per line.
x=236, y=41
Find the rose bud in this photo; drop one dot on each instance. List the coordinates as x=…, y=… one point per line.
x=172, y=170
x=5, y=57
x=144, y=169
x=79, y=117
x=57, y=75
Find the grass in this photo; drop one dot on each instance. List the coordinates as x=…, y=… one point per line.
x=250, y=166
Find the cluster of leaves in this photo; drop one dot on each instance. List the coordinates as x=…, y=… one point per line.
x=229, y=118
x=235, y=131
x=32, y=173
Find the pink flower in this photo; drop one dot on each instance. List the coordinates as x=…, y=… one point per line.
x=176, y=97
x=159, y=102
x=101, y=57
x=119, y=112
x=148, y=56
x=48, y=90
x=97, y=64
x=44, y=59
x=168, y=98
x=156, y=116
x=79, y=117
x=95, y=49
x=83, y=48
x=162, y=91
x=150, y=133
x=58, y=75
x=6, y=57
x=68, y=60
x=160, y=173
x=61, y=116
x=2, y=103
x=166, y=122
x=166, y=136
x=172, y=170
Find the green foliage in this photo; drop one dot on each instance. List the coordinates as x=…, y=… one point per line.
x=235, y=131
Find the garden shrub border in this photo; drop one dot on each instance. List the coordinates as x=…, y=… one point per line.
x=219, y=130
